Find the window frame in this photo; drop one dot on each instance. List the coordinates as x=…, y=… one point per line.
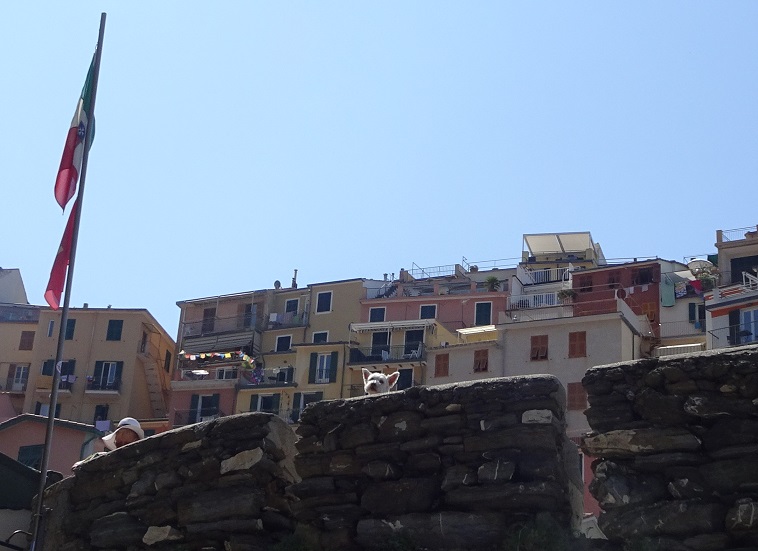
x=26, y=342
x=442, y=365
x=319, y=309
x=70, y=329
x=323, y=366
x=287, y=307
x=115, y=330
x=289, y=346
x=421, y=312
x=226, y=373
x=577, y=344
x=326, y=338
x=481, y=360
x=539, y=348
x=373, y=309
x=476, y=313
x=576, y=397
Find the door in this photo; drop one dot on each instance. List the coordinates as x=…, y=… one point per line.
x=380, y=342
x=413, y=338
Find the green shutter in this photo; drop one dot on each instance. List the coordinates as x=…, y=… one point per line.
x=254, y=402
x=312, y=368
x=296, y=409
x=37, y=408
x=692, y=312
x=98, y=371
x=319, y=396
x=193, y=408
x=216, y=401
x=333, y=367
x=275, y=403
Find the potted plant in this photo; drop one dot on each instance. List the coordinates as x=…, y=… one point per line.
x=493, y=283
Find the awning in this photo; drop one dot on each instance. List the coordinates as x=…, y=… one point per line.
x=543, y=243
x=216, y=343
x=477, y=329
x=391, y=325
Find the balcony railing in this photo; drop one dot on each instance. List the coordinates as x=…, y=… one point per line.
x=734, y=335
x=530, y=276
x=99, y=385
x=750, y=232
x=12, y=385
x=212, y=326
x=278, y=320
x=537, y=300
x=386, y=353
x=271, y=377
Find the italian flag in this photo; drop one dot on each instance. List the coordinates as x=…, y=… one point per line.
x=57, y=279
x=71, y=162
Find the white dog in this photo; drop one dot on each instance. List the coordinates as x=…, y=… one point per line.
x=378, y=383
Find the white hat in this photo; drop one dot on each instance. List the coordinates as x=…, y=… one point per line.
x=127, y=423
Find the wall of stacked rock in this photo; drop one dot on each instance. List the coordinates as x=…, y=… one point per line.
x=446, y=467
x=676, y=447
x=215, y=485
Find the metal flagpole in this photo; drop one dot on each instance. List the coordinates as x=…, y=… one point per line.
x=37, y=538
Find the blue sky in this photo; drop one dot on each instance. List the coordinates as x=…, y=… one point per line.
x=238, y=141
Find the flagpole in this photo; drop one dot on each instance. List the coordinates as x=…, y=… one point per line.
x=37, y=533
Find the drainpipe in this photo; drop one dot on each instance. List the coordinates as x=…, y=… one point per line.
x=344, y=368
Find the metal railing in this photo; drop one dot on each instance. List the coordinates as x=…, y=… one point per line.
x=536, y=300
x=750, y=232
x=12, y=385
x=734, y=335
x=278, y=320
x=211, y=326
x=387, y=353
x=271, y=377
x=530, y=276
x=103, y=385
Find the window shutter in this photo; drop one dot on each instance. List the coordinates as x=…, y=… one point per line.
x=216, y=401
x=12, y=372
x=98, y=371
x=275, y=403
x=254, y=402
x=692, y=312
x=47, y=367
x=37, y=408
x=296, y=407
x=119, y=369
x=333, y=367
x=312, y=368
x=319, y=396
x=193, y=408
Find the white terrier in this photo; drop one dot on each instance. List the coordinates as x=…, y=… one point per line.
x=378, y=383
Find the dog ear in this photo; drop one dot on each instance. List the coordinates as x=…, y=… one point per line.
x=392, y=379
x=366, y=375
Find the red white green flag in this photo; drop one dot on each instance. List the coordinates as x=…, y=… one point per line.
x=57, y=279
x=73, y=151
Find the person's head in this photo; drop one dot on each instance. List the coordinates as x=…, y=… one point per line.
x=127, y=431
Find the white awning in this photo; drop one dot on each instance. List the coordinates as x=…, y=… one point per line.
x=477, y=329
x=543, y=243
x=391, y=325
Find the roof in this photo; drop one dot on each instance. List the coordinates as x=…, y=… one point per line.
x=24, y=417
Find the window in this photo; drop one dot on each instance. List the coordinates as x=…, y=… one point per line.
x=167, y=362
x=291, y=305
x=283, y=343
x=320, y=337
x=481, y=360
x=107, y=376
x=441, y=365
x=31, y=456
x=576, y=397
x=27, y=340
x=539, y=347
x=376, y=314
x=47, y=367
x=578, y=344
x=301, y=400
x=427, y=312
x=209, y=320
x=323, y=368
x=50, y=328
x=114, y=330
x=204, y=407
x=70, y=326
x=642, y=276
x=226, y=373
x=101, y=413
x=44, y=409
x=585, y=284
x=614, y=280
x=245, y=314
x=18, y=375
x=268, y=403
x=324, y=302
x=483, y=313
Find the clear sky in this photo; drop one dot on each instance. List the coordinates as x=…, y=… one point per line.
x=238, y=141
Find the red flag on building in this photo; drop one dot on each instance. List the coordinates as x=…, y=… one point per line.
x=58, y=274
x=73, y=151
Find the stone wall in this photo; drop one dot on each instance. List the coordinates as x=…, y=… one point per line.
x=676, y=442
x=448, y=467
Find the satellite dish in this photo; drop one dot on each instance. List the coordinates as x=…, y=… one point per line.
x=699, y=265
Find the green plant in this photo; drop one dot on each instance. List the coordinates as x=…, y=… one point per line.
x=493, y=283
x=564, y=294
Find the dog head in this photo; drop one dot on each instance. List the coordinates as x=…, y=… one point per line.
x=378, y=383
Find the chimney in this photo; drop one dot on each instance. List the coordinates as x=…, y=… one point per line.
x=86, y=305
x=294, y=280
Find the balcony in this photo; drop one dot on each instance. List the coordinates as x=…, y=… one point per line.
x=387, y=354
x=103, y=385
x=287, y=319
x=734, y=335
x=682, y=328
x=215, y=334
x=14, y=385
x=271, y=377
x=532, y=276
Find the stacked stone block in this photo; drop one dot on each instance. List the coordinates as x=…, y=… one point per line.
x=214, y=485
x=448, y=467
x=676, y=442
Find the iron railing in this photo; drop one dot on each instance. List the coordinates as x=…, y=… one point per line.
x=212, y=326
x=387, y=353
x=12, y=385
x=734, y=335
x=271, y=377
x=281, y=320
x=93, y=384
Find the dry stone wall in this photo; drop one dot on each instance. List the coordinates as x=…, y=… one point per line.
x=676, y=442
x=448, y=467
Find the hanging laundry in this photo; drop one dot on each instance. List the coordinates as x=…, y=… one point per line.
x=680, y=289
